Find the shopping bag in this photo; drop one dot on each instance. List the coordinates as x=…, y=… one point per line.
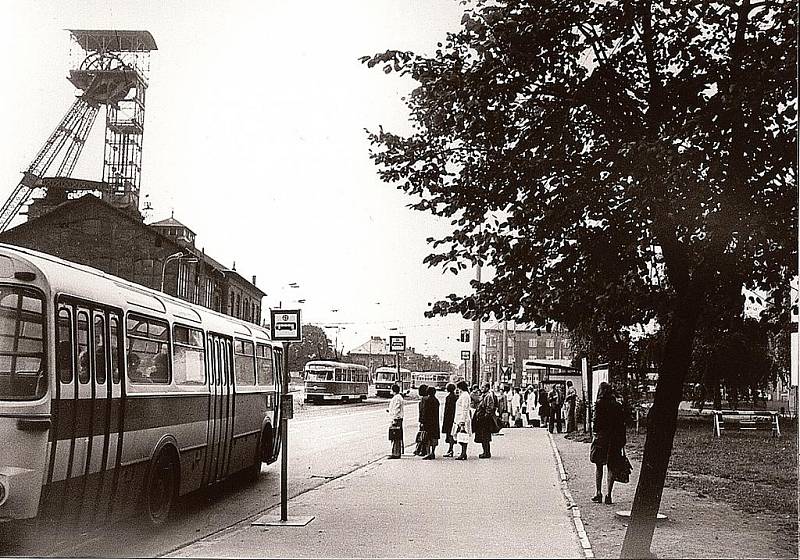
x=620, y=467
x=462, y=436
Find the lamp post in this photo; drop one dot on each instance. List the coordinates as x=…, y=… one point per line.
x=175, y=256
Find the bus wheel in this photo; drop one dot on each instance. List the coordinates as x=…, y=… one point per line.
x=162, y=488
x=345, y=399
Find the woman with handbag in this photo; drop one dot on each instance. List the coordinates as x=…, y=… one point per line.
x=448, y=417
x=609, y=439
x=421, y=439
x=484, y=421
x=462, y=422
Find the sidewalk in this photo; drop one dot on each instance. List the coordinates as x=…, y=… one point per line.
x=510, y=505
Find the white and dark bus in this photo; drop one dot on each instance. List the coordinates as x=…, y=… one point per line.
x=117, y=399
x=325, y=380
x=438, y=379
x=386, y=376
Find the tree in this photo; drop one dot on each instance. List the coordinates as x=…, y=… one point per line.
x=315, y=346
x=617, y=163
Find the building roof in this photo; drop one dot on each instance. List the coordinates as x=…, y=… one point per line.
x=169, y=222
x=374, y=346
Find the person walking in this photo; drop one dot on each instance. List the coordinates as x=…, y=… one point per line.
x=531, y=406
x=395, y=411
x=449, y=415
x=554, y=400
x=571, y=399
x=462, y=421
x=484, y=423
x=544, y=407
x=609, y=438
x=422, y=446
x=430, y=422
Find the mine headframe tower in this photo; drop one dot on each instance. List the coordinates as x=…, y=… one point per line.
x=110, y=68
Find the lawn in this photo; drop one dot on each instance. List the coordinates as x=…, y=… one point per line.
x=751, y=470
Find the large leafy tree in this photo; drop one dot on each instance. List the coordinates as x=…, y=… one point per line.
x=616, y=163
x=315, y=346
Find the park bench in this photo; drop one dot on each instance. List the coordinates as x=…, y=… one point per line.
x=746, y=420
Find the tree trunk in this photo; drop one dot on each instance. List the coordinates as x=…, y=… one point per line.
x=661, y=424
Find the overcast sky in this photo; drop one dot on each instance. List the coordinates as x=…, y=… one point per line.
x=254, y=137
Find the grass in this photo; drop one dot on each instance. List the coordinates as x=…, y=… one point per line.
x=750, y=470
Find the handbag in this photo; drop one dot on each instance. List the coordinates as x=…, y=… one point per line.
x=461, y=435
x=395, y=433
x=620, y=467
x=422, y=437
x=494, y=425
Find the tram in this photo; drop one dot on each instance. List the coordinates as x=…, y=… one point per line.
x=325, y=380
x=116, y=399
x=386, y=376
x=438, y=379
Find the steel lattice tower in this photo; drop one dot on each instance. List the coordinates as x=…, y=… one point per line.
x=111, y=69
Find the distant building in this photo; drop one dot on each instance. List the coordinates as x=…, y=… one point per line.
x=92, y=231
x=523, y=344
x=374, y=353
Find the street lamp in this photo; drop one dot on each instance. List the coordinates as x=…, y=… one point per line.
x=175, y=256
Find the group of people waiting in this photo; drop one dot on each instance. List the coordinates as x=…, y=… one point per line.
x=539, y=407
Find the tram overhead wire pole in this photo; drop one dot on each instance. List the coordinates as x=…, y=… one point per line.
x=285, y=327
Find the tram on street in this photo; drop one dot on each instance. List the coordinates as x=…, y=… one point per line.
x=438, y=379
x=116, y=399
x=386, y=376
x=326, y=380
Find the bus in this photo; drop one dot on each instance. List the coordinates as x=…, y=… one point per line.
x=326, y=380
x=438, y=379
x=115, y=399
x=384, y=378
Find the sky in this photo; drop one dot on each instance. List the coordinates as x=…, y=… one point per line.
x=254, y=138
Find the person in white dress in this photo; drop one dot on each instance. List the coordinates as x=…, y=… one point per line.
x=516, y=406
x=531, y=406
x=462, y=422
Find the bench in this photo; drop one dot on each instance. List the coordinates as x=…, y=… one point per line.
x=746, y=420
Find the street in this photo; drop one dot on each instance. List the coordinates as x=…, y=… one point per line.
x=325, y=442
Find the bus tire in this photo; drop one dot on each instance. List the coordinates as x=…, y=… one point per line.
x=161, y=491
x=265, y=445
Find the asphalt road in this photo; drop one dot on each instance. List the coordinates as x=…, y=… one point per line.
x=325, y=442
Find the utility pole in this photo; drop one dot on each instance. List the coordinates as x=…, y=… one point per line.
x=503, y=347
x=476, y=335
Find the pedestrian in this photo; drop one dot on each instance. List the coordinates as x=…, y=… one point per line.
x=523, y=406
x=449, y=415
x=502, y=407
x=474, y=396
x=396, y=422
x=544, y=406
x=421, y=439
x=483, y=424
x=554, y=400
x=531, y=406
x=431, y=422
x=516, y=407
x=571, y=399
x=609, y=438
x=462, y=422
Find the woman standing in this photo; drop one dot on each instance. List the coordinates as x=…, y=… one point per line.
x=449, y=415
x=516, y=407
x=531, y=402
x=609, y=438
x=462, y=423
x=484, y=421
x=544, y=407
x=421, y=439
x=430, y=422
x=570, y=400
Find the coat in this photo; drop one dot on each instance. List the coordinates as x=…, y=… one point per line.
x=449, y=412
x=544, y=406
x=430, y=417
x=483, y=421
x=531, y=402
x=462, y=414
x=609, y=430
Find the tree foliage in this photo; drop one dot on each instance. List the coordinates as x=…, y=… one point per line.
x=315, y=346
x=616, y=163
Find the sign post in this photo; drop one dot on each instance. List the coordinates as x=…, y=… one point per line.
x=285, y=327
x=465, y=357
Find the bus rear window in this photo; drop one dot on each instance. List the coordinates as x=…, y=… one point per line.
x=23, y=375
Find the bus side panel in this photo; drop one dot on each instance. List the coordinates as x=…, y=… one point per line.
x=251, y=410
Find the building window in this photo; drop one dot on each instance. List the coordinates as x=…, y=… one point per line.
x=531, y=343
x=550, y=343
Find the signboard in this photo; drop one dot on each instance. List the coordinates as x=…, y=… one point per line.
x=287, y=406
x=465, y=355
x=397, y=343
x=285, y=325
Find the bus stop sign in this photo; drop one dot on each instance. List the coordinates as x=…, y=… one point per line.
x=397, y=343
x=285, y=325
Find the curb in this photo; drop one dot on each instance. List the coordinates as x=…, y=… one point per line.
x=571, y=505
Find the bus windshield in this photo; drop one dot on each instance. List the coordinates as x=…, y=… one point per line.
x=22, y=364
x=319, y=375
x=385, y=376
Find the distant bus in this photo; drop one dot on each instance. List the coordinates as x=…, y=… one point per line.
x=116, y=398
x=339, y=381
x=384, y=378
x=438, y=379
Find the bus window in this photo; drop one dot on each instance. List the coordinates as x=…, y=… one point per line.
x=244, y=362
x=82, y=347
x=114, y=323
x=264, y=365
x=148, y=340
x=64, y=346
x=188, y=356
x=22, y=371
x=100, y=349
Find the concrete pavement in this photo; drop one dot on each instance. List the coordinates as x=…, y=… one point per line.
x=509, y=506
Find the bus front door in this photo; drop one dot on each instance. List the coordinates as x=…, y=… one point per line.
x=220, y=411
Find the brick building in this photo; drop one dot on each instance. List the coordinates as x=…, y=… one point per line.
x=526, y=344
x=94, y=232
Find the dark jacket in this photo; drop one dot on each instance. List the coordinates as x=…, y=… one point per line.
x=609, y=422
x=482, y=423
x=430, y=416
x=449, y=412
